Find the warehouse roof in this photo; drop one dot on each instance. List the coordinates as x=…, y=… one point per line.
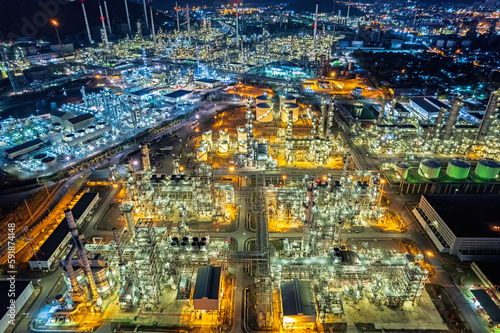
x=178, y=93
x=80, y=118
x=297, y=298
x=488, y=304
x=207, y=282
x=23, y=146
x=461, y=212
x=57, y=236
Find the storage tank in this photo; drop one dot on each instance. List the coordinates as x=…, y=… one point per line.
x=263, y=99
x=429, y=169
x=49, y=161
x=223, y=136
x=264, y=112
x=242, y=147
x=223, y=147
x=487, y=169
x=289, y=99
x=55, y=136
x=287, y=107
x=207, y=136
x=205, y=144
x=458, y=169
x=80, y=133
x=39, y=157
x=242, y=133
x=68, y=137
x=201, y=154
x=403, y=169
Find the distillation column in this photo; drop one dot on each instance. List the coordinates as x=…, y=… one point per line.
x=490, y=114
x=452, y=117
x=309, y=220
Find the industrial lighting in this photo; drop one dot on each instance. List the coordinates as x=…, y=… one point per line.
x=284, y=177
x=54, y=23
x=181, y=168
x=231, y=168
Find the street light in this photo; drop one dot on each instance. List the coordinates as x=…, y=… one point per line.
x=56, y=24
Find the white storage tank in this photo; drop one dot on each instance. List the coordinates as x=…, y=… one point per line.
x=242, y=147
x=429, y=169
x=242, y=133
x=49, y=161
x=263, y=99
x=264, y=112
x=206, y=136
x=458, y=169
x=201, y=154
x=289, y=99
x=287, y=107
x=403, y=169
x=223, y=136
x=223, y=147
x=205, y=144
x=487, y=169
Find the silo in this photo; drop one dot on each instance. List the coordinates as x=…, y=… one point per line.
x=487, y=169
x=264, y=112
x=458, y=169
x=403, y=169
x=429, y=169
x=286, y=109
x=242, y=133
x=201, y=154
x=223, y=136
x=223, y=147
x=207, y=136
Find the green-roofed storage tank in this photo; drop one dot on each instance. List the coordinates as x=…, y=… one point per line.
x=458, y=169
x=429, y=169
x=487, y=169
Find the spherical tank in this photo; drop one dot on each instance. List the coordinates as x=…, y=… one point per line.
x=223, y=136
x=223, y=147
x=242, y=133
x=458, y=169
x=487, y=169
x=207, y=136
x=201, y=154
x=429, y=169
x=264, y=112
x=403, y=169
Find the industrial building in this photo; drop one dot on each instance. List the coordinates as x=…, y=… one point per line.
x=23, y=149
x=206, y=289
x=178, y=96
x=56, y=243
x=297, y=303
x=209, y=83
x=81, y=121
x=23, y=291
x=464, y=225
x=427, y=107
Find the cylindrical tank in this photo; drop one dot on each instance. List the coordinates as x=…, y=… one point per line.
x=49, y=161
x=458, y=169
x=287, y=107
x=223, y=136
x=242, y=133
x=201, y=154
x=242, y=147
x=289, y=99
x=205, y=144
x=403, y=169
x=223, y=147
x=202, y=245
x=195, y=239
x=194, y=245
x=263, y=99
x=81, y=132
x=264, y=112
x=91, y=128
x=487, y=169
x=175, y=240
x=207, y=136
x=184, y=245
x=55, y=136
x=69, y=137
x=39, y=157
x=429, y=169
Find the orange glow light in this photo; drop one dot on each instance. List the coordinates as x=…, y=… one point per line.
x=54, y=22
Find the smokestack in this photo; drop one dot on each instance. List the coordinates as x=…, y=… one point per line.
x=152, y=22
x=382, y=109
x=87, y=23
x=452, y=117
x=348, y=9
x=105, y=34
x=145, y=14
x=118, y=246
x=70, y=273
x=82, y=254
x=107, y=17
x=237, y=28
x=489, y=115
x=188, y=22
x=177, y=12
x=315, y=26
x=128, y=16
